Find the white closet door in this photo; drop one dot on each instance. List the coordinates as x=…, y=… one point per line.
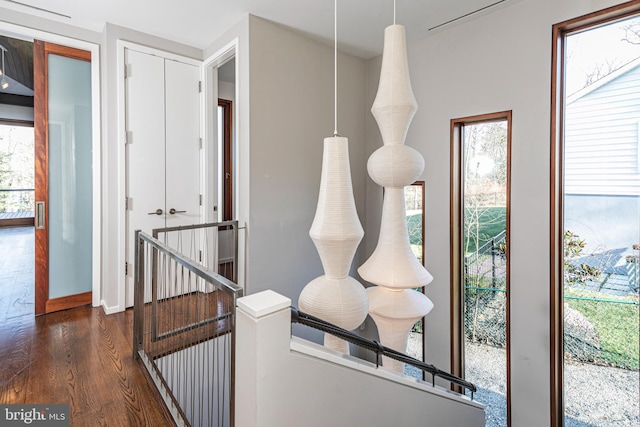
x=182, y=126
x=145, y=114
x=163, y=155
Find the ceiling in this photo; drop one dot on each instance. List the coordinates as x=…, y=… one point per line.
x=199, y=22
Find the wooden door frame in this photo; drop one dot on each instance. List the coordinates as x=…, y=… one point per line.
x=43, y=304
x=227, y=158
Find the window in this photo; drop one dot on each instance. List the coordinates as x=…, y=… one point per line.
x=595, y=202
x=414, y=208
x=480, y=176
x=16, y=173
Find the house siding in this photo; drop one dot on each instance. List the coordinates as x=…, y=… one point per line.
x=601, y=139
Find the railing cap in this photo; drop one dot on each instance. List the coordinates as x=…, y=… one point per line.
x=263, y=303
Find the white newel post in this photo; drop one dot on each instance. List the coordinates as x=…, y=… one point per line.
x=263, y=333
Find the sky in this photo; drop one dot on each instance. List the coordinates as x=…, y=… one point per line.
x=602, y=45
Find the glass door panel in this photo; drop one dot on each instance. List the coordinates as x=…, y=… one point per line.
x=70, y=176
x=63, y=183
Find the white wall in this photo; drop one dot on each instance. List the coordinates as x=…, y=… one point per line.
x=32, y=24
x=291, y=114
x=499, y=61
x=285, y=381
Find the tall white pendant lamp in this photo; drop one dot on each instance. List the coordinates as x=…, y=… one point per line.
x=336, y=232
x=394, y=305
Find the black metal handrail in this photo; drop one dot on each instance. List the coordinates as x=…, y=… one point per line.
x=379, y=349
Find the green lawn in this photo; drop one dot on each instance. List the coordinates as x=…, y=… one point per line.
x=492, y=221
x=617, y=326
x=414, y=225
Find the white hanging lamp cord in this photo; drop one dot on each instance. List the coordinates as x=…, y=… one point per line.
x=335, y=68
x=394, y=12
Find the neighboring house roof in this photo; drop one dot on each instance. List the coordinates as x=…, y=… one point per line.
x=603, y=80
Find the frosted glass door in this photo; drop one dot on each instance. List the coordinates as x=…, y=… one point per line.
x=63, y=177
x=70, y=184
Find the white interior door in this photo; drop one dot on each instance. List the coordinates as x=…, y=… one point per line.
x=182, y=152
x=162, y=122
x=145, y=150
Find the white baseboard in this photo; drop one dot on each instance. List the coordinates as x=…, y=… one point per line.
x=110, y=310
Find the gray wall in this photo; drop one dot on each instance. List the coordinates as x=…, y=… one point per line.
x=291, y=113
x=495, y=62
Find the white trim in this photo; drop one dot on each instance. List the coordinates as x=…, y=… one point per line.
x=110, y=310
x=96, y=131
x=156, y=52
x=210, y=79
x=224, y=54
x=122, y=177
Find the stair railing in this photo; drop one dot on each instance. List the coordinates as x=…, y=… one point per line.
x=379, y=349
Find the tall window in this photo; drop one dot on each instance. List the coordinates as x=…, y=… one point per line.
x=16, y=170
x=414, y=207
x=480, y=258
x=596, y=220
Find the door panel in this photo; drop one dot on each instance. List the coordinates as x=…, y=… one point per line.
x=145, y=150
x=63, y=183
x=182, y=149
x=162, y=113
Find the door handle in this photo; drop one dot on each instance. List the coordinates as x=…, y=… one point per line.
x=172, y=211
x=157, y=212
x=39, y=215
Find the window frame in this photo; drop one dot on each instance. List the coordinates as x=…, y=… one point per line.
x=559, y=33
x=456, y=232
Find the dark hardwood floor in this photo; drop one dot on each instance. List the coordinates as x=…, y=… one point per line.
x=80, y=357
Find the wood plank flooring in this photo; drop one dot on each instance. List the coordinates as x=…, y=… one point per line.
x=80, y=357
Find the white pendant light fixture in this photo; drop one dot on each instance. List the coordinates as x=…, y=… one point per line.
x=336, y=232
x=3, y=83
x=394, y=305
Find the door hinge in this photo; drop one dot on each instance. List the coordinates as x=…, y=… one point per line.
x=200, y=86
x=128, y=137
x=126, y=268
x=126, y=203
x=127, y=70
x=200, y=256
x=200, y=143
x=200, y=199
